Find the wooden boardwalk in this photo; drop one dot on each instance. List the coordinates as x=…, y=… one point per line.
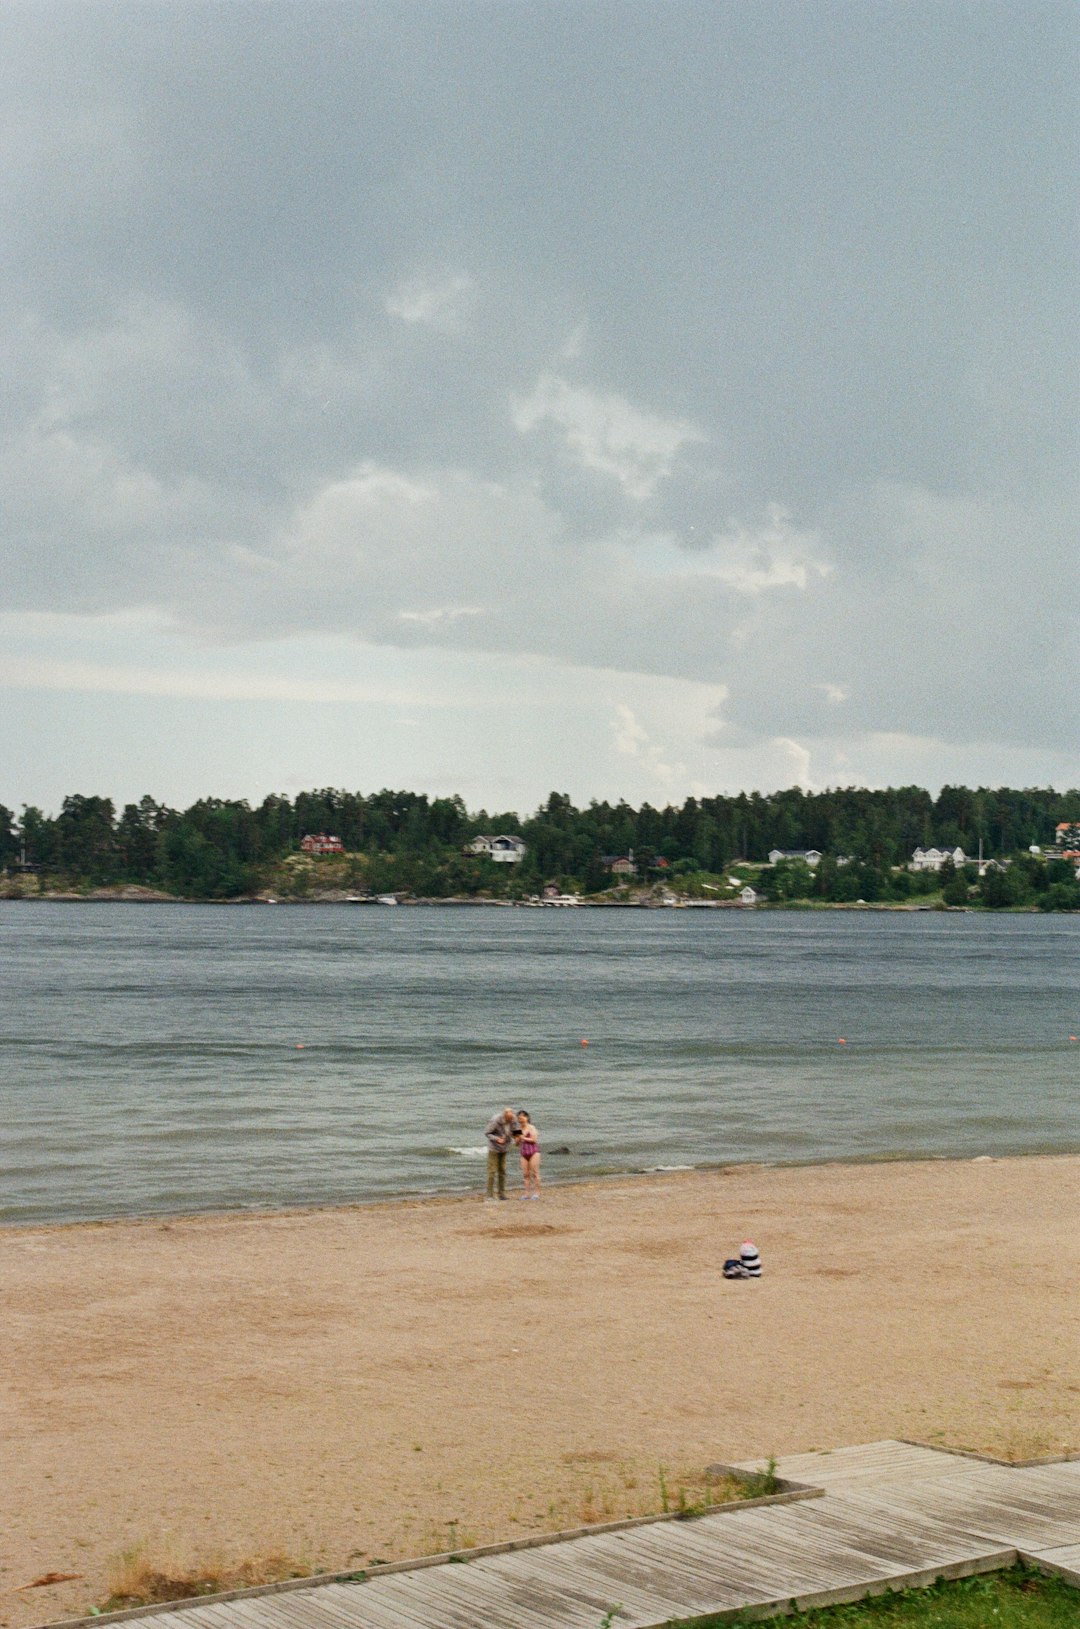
x=891, y=1515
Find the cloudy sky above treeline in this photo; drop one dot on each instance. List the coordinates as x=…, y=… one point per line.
x=631, y=399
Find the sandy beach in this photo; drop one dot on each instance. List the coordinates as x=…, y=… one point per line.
x=380, y=1381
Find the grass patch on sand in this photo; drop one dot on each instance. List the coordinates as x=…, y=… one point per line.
x=1017, y=1599
x=621, y=1493
x=143, y=1576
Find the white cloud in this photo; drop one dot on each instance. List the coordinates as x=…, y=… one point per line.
x=632, y=741
x=606, y=433
x=441, y=614
x=478, y=552
x=630, y=737
x=799, y=758
x=748, y=558
x=441, y=303
x=571, y=348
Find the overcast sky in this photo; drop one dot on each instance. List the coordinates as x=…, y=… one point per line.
x=629, y=399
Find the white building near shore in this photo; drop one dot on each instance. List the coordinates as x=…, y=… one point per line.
x=502, y=848
x=932, y=859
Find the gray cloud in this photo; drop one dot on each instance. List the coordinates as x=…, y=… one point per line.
x=741, y=353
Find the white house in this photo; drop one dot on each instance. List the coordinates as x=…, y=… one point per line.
x=809, y=856
x=932, y=859
x=504, y=849
x=748, y=896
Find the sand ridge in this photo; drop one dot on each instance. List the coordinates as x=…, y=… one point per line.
x=381, y=1380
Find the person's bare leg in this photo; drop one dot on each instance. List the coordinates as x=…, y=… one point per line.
x=534, y=1168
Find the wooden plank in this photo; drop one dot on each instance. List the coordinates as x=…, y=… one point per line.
x=698, y=1556
x=770, y=1561
x=1003, y=1518
x=917, y=1541
x=571, y=1575
x=193, y=1617
x=665, y=1582
x=392, y=1600
x=1057, y=1487
x=480, y=1596
x=879, y=1462
x=399, y=1605
x=999, y=1499
x=527, y=1586
x=307, y=1607
x=714, y=1581
x=379, y=1612
x=485, y=1600
x=557, y=1606
x=345, y=1605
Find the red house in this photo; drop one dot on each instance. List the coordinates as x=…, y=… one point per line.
x=321, y=843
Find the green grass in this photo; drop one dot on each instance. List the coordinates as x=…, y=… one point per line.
x=1018, y=1599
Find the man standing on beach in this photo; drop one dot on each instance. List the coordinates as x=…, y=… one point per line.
x=500, y=1132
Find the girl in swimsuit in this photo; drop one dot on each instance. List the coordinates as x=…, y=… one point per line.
x=529, y=1149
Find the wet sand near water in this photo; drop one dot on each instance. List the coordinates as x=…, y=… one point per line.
x=380, y=1381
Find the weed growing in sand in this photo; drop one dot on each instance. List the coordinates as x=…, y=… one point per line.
x=622, y=1496
x=761, y=1484
x=143, y=1576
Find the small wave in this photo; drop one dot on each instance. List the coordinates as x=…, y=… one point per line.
x=469, y=1153
x=653, y=1170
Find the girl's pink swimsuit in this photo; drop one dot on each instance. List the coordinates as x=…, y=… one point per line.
x=528, y=1149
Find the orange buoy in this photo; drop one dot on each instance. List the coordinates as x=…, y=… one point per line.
x=584, y=1042
x=299, y=1046
x=843, y=1041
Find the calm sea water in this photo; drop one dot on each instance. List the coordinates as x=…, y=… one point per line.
x=174, y=1058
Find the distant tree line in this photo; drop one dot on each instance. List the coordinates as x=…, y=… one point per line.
x=221, y=848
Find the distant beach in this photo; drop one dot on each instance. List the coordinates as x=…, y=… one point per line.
x=343, y=1384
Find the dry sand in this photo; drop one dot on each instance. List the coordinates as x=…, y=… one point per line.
x=384, y=1380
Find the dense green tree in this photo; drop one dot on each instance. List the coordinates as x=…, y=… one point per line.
x=1000, y=889
x=1061, y=896
x=86, y=838
x=40, y=837
x=191, y=865
x=788, y=879
x=9, y=838
x=956, y=891
x=137, y=839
